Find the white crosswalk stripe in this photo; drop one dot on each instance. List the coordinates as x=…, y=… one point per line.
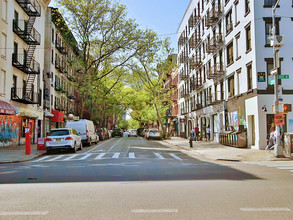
x=131, y=155
x=86, y=156
x=97, y=156
x=116, y=155
x=100, y=156
x=281, y=165
x=159, y=156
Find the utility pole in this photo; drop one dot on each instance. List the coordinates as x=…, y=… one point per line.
x=278, y=150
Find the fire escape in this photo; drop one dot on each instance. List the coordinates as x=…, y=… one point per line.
x=213, y=15
x=25, y=62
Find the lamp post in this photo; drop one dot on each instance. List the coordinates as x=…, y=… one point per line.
x=278, y=150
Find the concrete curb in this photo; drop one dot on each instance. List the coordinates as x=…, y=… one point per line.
x=20, y=161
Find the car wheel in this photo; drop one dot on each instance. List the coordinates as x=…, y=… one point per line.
x=80, y=146
x=74, y=148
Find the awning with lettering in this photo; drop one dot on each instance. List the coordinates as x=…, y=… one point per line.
x=6, y=108
x=58, y=116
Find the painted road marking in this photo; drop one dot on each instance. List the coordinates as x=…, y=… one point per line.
x=86, y=156
x=174, y=156
x=265, y=209
x=23, y=213
x=56, y=158
x=116, y=155
x=69, y=158
x=100, y=156
x=43, y=158
x=159, y=156
x=131, y=155
x=154, y=210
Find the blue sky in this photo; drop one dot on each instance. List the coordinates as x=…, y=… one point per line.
x=162, y=16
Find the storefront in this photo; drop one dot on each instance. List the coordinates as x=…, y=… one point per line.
x=9, y=125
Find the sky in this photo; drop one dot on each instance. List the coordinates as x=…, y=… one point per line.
x=162, y=16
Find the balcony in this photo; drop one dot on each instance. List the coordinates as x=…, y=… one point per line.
x=215, y=44
x=184, y=94
x=23, y=96
x=183, y=58
x=183, y=76
x=31, y=37
x=31, y=7
x=21, y=62
x=196, y=19
x=198, y=87
x=58, y=66
x=213, y=15
x=182, y=40
x=216, y=71
x=58, y=87
x=60, y=48
x=195, y=62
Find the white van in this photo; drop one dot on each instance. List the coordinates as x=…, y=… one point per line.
x=85, y=129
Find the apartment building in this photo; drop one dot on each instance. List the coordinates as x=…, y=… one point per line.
x=60, y=71
x=21, y=69
x=225, y=61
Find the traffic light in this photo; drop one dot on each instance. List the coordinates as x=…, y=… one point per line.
x=287, y=107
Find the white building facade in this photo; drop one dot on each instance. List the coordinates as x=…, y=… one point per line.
x=224, y=61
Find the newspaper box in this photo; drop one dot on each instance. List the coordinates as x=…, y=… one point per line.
x=41, y=144
x=288, y=145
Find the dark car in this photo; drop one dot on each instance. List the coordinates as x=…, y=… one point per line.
x=117, y=132
x=103, y=133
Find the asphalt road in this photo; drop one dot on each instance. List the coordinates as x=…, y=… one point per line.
x=132, y=178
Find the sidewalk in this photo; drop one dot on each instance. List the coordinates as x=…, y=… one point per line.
x=216, y=151
x=14, y=154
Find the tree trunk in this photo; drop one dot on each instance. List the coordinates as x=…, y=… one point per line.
x=160, y=119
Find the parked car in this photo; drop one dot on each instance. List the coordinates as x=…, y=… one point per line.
x=103, y=133
x=132, y=133
x=63, y=139
x=117, y=132
x=85, y=129
x=153, y=133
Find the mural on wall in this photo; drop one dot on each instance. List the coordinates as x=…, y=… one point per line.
x=236, y=118
x=9, y=128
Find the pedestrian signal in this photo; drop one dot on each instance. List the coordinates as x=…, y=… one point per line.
x=287, y=107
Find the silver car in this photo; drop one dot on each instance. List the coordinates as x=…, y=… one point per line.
x=63, y=139
x=153, y=133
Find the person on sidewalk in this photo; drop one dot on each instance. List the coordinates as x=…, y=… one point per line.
x=192, y=134
x=272, y=139
x=196, y=131
x=208, y=131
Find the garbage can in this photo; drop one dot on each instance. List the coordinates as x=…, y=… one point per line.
x=288, y=144
x=41, y=144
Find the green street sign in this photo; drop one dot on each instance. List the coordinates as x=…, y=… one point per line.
x=272, y=82
x=283, y=76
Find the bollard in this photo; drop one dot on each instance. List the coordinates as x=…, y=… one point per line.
x=190, y=142
x=27, y=141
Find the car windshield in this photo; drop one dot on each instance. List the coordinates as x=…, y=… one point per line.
x=117, y=129
x=100, y=129
x=154, y=130
x=59, y=133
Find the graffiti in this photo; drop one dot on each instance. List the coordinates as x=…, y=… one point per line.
x=9, y=128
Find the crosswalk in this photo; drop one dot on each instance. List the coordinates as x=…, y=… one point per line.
x=281, y=165
x=110, y=155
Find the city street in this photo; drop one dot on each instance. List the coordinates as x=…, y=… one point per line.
x=133, y=178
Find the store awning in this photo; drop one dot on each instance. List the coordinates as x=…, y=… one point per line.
x=58, y=116
x=6, y=108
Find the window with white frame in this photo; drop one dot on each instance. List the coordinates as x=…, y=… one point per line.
x=2, y=82
x=231, y=90
x=4, y=10
x=236, y=12
x=230, y=53
x=4, y=45
x=229, y=23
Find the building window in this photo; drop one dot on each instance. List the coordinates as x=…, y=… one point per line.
x=4, y=45
x=248, y=38
x=236, y=12
x=237, y=38
x=230, y=53
x=4, y=10
x=229, y=24
x=269, y=3
x=238, y=81
x=2, y=82
x=231, y=89
x=249, y=76
x=247, y=6
x=270, y=77
x=52, y=56
x=268, y=29
x=222, y=90
x=53, y=35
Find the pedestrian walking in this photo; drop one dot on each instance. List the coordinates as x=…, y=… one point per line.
x=272, y=139
x=208, y=131
x=192, y=134
x=196, y=131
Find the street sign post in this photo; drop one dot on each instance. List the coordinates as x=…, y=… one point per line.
x=283, y=76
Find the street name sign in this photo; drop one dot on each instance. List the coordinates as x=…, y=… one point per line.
x=283, y=76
